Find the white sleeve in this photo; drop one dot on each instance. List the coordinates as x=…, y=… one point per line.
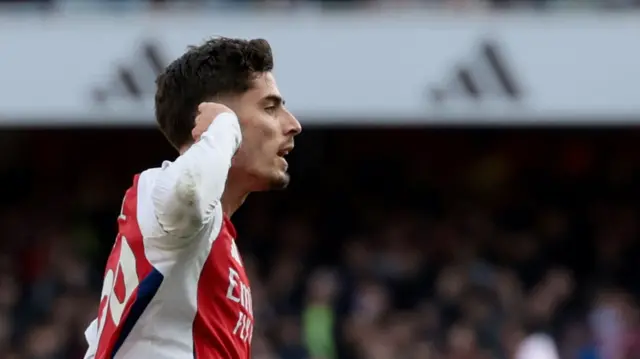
x=537, y=346
x=91, y=335
x=186, y=192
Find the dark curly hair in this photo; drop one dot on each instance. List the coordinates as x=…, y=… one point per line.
x=220, y=66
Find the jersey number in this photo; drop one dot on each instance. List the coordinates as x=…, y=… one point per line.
x=125, y=267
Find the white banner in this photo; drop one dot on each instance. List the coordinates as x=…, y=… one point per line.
x=356, y=68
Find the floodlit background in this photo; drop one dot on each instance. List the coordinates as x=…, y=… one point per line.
x=467, y=185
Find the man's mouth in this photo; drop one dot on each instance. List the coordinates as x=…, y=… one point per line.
x=285, y=151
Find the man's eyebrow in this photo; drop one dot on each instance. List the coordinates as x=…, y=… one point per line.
x=275, y=99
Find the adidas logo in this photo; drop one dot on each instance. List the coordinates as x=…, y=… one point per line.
x=135, y=79
x=484, y=76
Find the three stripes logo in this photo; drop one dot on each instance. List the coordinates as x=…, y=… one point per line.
x=486, y=75
x=134, y=79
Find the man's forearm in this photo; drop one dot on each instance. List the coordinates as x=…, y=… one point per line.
x=186, y=191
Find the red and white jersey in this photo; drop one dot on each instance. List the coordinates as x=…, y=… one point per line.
x=174, y=284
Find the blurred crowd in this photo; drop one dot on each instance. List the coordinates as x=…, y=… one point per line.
x=388, y=244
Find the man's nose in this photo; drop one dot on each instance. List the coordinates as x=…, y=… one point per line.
x=292, y=126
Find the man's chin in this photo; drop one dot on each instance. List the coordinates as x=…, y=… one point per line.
x=281, y=181
x=274, y=182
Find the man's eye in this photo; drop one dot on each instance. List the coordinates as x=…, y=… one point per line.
x=271, y=109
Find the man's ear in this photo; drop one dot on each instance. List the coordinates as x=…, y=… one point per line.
x=231, y=101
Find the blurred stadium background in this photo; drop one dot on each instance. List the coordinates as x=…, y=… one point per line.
x=466, y=187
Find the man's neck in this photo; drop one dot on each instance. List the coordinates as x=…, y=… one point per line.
x=232, y=198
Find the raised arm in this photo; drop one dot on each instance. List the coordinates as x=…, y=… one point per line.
x=186, y=192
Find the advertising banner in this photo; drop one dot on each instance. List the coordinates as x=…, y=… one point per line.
x=355, y=68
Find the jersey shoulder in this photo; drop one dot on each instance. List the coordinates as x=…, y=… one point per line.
x=140, y=195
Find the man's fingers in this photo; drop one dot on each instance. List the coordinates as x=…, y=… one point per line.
x=205, y=105
x=209, y=110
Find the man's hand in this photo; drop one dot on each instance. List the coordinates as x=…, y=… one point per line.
x=207, y=112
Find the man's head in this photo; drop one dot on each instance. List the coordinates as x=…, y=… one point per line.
x=236, y=73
